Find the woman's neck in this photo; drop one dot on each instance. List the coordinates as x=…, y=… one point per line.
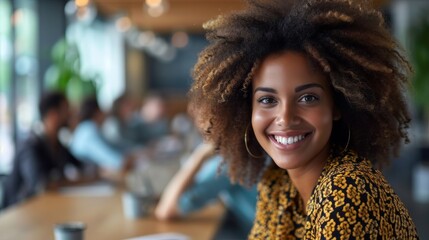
x=305, y=179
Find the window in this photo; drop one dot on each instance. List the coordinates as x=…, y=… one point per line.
x=18, y=75
x=6, y=142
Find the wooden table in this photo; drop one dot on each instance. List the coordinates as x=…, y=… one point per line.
x=103, y=216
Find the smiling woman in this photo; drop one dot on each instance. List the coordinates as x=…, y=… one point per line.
x=292, y=115
x=305, y=83
x=288, y=102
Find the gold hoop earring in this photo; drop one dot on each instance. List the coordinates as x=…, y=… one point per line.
x=348, y=141
x=247, y=148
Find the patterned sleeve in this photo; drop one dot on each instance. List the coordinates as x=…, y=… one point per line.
x=359, y=205
x=262, y=209
x=270, y=212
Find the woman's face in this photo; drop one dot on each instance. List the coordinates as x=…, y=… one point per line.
x=292, y=111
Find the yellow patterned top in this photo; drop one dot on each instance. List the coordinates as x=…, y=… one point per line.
x=350, y=201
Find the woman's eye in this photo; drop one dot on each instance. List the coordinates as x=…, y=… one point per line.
x=308, y=98
x=266, y=100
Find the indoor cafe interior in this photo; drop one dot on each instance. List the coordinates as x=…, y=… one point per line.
x=112, y=77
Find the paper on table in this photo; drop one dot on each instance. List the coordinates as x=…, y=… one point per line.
x=162, y=236
x=93, y=190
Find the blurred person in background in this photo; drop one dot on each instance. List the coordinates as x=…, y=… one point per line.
x=199, y=183
x=129, y=127
x=89, y=144
x=154, y=129
x=41, y=160
x=185, y=131
x=154, y=119
x=119, y=128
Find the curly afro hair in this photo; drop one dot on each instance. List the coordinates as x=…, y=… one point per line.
x=350, y=43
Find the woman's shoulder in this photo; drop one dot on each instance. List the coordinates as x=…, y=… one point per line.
x=350, y=181
x=351, y=171
x=350, y=191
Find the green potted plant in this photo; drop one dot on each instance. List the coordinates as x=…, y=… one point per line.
x=65, y=73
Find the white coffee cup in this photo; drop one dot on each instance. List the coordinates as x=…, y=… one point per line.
x=69, y=231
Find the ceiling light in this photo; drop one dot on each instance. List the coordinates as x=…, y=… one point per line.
x=153, y=3
x=81, y=3
x=156, y=11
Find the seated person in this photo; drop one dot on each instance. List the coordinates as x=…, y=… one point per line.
x=183, y=128
x=153, y=123
x=197, y=183
x=41, y=159
x=118, y=126
x=129, y=129
x=89, y=144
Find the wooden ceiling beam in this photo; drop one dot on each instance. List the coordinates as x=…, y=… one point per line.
x=185, y=15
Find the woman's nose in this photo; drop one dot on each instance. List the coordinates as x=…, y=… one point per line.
x=286, y=115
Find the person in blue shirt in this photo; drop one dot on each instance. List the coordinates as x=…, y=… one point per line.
x=89, y=144
x=198, y=183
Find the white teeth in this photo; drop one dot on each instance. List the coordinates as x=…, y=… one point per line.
x=289, y=140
